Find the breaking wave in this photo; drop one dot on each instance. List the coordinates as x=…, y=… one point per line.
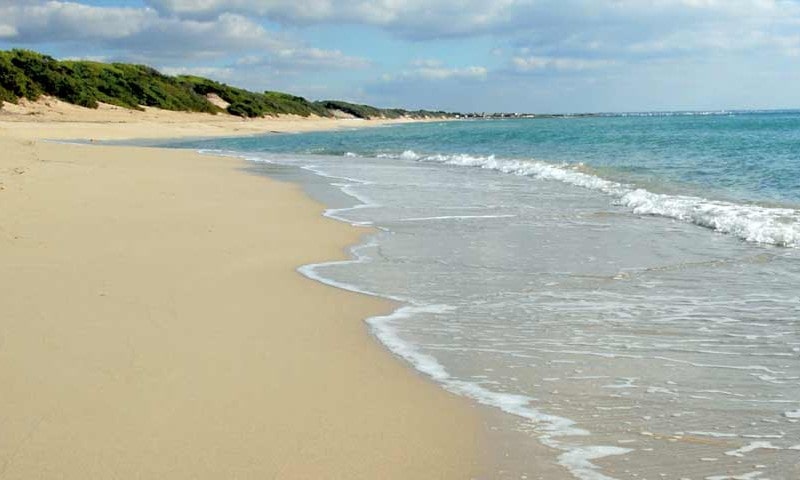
x=753, y=223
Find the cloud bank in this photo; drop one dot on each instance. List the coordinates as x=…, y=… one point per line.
x=521, y=44
x=149, y=34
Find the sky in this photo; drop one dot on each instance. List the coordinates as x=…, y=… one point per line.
x=540, y=56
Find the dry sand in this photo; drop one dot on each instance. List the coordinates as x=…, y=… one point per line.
x=153, y=325
x=65, y=121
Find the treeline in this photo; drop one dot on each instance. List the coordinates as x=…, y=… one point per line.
x=27, y=74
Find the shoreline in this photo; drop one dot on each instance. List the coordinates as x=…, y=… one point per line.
x=119, y=364
x=511, y=452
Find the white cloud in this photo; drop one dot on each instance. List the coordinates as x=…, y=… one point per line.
x=416, y=18
x=316, y=58
x=69, y=21
x=568, y=39
x=562, y=28
x=535, y=63
x=293, y=59
x=426, y=63
x=8, y=31
x=448, y=17
x=216, y=73
x=429, y=69
x=716, y=39
x=89, y=58
x=619, y=30
x=227, y=34
x=145, y=35
x=440, y=73
x=54, y=20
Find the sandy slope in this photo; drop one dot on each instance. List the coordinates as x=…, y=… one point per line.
x=56, y=119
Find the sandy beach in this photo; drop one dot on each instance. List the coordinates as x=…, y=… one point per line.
x=62, y=120
x=399, y=240
x=154, y=325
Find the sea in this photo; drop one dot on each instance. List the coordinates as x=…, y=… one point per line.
x=623, y=290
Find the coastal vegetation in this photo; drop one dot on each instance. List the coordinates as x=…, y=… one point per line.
x=367, y=111
x=30, y=75
x=251, y=104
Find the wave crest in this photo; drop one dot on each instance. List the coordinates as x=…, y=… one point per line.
x=753, y=223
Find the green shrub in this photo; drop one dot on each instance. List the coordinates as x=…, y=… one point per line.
x=356, y=110
x=250, y=104
x=14, y=81
x=27, y=74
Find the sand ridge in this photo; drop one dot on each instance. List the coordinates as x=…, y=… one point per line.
x=54, y=119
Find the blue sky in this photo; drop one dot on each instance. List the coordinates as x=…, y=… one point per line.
x=464, y=55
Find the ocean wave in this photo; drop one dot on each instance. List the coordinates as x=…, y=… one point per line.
x=553, y=431
x=775, y=226
x=753, y=223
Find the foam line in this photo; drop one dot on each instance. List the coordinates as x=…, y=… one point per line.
x=577, y=459
x=753, y=223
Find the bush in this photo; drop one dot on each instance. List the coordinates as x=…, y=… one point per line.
x=250, y=104
x=356, y=110
x=27, y=74
x=14, y=82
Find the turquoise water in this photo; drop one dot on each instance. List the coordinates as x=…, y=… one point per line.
x=744, y=156
x=626, y=290
x=703, y=169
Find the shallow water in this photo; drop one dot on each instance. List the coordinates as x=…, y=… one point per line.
x=621, y=306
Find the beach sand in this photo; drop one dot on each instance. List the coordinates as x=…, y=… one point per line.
x=108, y=122
x=153, y=324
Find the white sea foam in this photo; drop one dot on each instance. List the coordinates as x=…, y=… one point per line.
x=453, y=217
x=743, y=476
x=311, y=271
x=661, y=390
x=714, y=434
x=234, y=154
x=777, y=226
x=577, y=458
x=349, y=190
x=753, y=223
x=740, y=452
